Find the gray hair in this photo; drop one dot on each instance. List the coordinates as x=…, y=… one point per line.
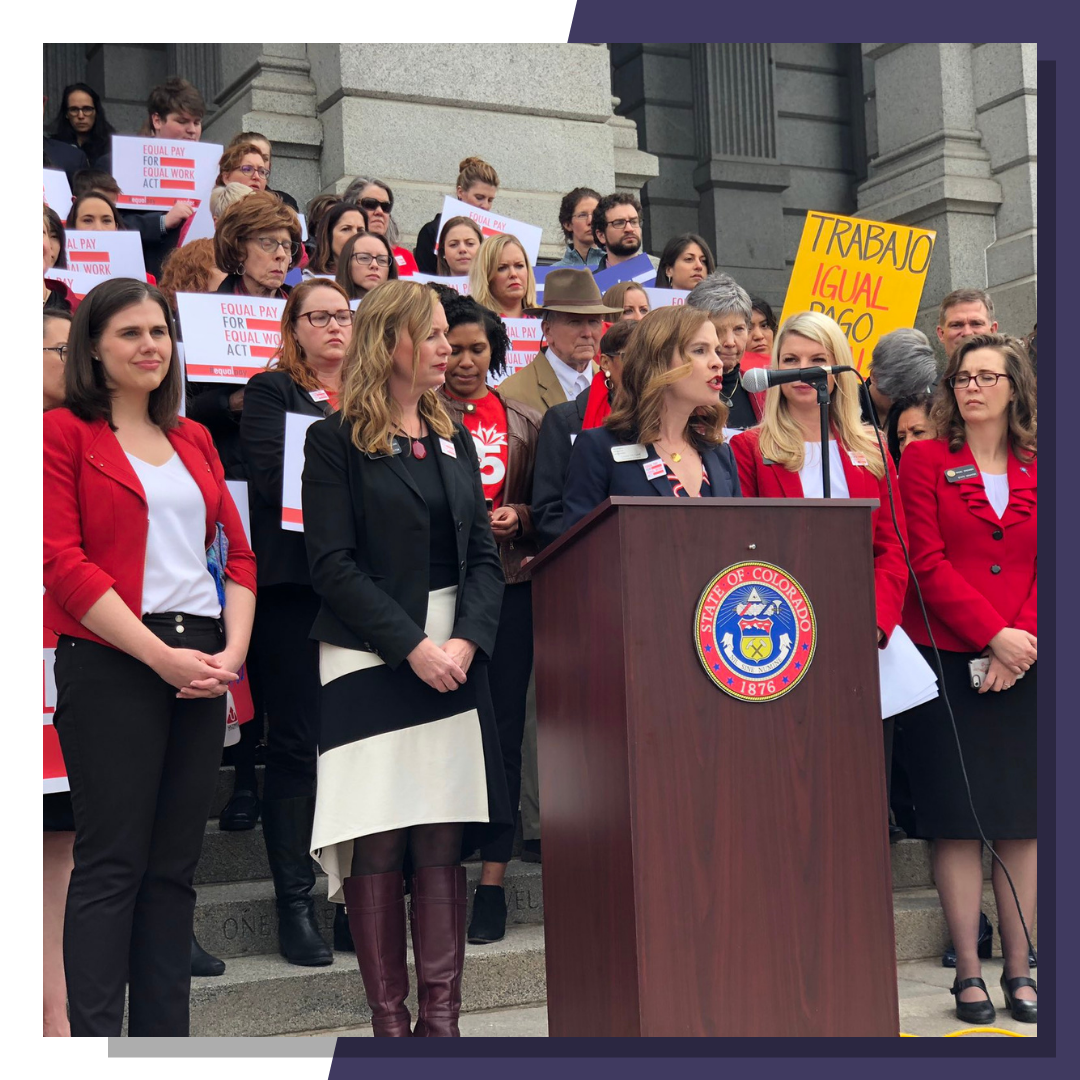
x=224, y=195
x=719, y=295
x=352, y=195
x=904, y=364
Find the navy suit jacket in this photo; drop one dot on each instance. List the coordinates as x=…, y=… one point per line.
x=594, y=474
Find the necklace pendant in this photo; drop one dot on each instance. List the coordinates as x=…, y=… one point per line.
x=419, y=450
x=676, y=458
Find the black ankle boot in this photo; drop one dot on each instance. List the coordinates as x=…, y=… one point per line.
x=343, y=941
x=287, y=831
x=488, y=921
x=202, y=963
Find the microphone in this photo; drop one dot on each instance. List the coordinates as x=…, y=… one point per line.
x=757, y=380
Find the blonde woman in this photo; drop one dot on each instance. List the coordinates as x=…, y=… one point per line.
x=630, y=298
x=665, y=433
x=408, y=574
x=501, y=278
x=781, y=458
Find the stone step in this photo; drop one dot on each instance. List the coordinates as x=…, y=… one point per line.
x=911, y=865
x=237, y=919
x=264, y=995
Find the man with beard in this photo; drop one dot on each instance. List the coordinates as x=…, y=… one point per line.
x=617, y=227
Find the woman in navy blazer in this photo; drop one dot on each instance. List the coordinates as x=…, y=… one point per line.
x=665, y=433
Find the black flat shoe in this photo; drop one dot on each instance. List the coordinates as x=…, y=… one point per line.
x=985, y=945
x=241, y=812
x=202, y=963
x=1027, y=1012
x=973, y=1012
x=488, y=921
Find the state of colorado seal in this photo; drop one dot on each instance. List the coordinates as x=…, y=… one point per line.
x=755, y=631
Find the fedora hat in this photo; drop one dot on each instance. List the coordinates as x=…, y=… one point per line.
x=573, y=291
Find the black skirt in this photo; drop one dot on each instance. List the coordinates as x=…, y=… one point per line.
x=997, y=736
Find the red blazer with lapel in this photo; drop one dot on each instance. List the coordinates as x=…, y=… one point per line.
x=754, y=360
x=768, y=480
x=96, y=516
x=978, y=574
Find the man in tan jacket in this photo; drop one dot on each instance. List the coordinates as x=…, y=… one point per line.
x=573, y=316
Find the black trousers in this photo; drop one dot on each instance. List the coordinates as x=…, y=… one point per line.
x=286, y=663
x=508, y=676
x=142, y=765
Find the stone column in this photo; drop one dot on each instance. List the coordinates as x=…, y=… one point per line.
x=739, y=176
x=123, y=75
x=929, y=166
x=200, y=65
x=63, y=65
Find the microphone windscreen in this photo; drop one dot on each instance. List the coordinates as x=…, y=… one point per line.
x=756, y=380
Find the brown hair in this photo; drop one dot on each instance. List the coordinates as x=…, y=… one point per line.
x=187, y=269
x=614, y=341
x=233, y=158
x=1023, y=409
x=616, y=295
x=175, y=96
x=73, y=213
x=290, y=357
x=442, y=267
x=55, y=228
x=646, y=374
x=966, y=296
x=344, y=270
x=315, y=210
x=258, y=212
x=474, y=170
x=323, y=259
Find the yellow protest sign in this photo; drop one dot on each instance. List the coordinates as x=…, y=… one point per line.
x=866, y=275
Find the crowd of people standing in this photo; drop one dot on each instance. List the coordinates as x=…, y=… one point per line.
x=388, y=646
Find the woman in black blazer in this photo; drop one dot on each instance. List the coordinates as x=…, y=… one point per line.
x=404, y=561
x=665, y=434
x=316, y=327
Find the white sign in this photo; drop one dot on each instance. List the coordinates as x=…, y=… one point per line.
x=54, y=773
x=154, y=173
x=228, y=338
x=292, y=511
x=200, y=226
x=94, y=256
x=526, y=337
x=665, y=297
x=494, y=224
x=56, y=192
x=460, y=285
x=238, y=489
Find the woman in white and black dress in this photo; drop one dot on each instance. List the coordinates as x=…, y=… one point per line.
x=411, y=585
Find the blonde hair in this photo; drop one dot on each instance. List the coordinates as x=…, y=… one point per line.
x=483, y=270
x=393, y=309
x=646, y=375
x=781, y=438
x=224, y=195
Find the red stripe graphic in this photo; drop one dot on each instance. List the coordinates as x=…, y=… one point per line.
x=490, y=232
x=183, y=185
x=88, y=256
x=294, y=517
x=263, y=350
x=176, y=163
x=237, y=371
x=273, y=325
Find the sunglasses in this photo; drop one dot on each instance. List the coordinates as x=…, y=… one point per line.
x=376, y=204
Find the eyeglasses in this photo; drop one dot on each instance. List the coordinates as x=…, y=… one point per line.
x=364, y=259
x=983, y=378
x=322, y=318
x=376, y=204
x=251, y=170
x=270, y=245
x=81, y=110
x=60, y=350
x=583, y=215
x=623, y=222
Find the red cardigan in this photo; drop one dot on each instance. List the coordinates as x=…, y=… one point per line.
x=978, y=574
x=772, y=481
x=96, y=517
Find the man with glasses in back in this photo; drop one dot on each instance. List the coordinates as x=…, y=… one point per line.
x=617, y=226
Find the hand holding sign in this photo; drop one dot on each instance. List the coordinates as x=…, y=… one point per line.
x=178, y=214
x=154, y=173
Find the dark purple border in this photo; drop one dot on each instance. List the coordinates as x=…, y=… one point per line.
x=1059, y=745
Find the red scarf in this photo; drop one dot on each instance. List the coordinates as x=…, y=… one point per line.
x=598, y=407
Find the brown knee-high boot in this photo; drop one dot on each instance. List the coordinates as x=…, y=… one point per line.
x=376, y=908
x=437, y=916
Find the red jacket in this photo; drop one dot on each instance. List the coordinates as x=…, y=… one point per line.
x=771, y=481
x=96, y=517
x=978, y=574
x=755, y=360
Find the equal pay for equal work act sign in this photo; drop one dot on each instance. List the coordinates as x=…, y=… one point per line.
x=228, y=338
x=154, y=173
x=868, y=276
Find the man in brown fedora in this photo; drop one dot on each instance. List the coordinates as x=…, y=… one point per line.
x=573, y=322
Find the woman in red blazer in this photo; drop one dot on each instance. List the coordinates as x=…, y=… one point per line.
x=972, y=505
x=150, y=638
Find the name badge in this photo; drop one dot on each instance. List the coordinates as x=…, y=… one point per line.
x=318, y=395
x=655, y=469
x=448, y=448
x=857, y=458
x=633, y=452
x=965, y=472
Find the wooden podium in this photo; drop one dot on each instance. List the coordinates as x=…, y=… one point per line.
x=712, y=866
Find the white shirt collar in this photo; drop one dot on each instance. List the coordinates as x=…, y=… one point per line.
x=570, y=379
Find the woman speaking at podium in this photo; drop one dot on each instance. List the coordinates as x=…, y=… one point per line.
x=665, y=433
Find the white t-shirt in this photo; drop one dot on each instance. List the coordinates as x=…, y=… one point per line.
x=810, y=473
x=997, y=490
x=175, y=577
x=571, y=380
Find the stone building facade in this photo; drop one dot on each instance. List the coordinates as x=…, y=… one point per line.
x=735, y=141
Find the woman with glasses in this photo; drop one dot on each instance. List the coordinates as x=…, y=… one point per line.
x=367, y=260
x=244, y=164
x=81, y=122
x=376, y=199
x=575, y=220
x=304, y=378
x=971, y=498
x=336, y=228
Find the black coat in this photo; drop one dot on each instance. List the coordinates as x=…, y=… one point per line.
x=427, y=262
x=367, y=532
x=280, y=554
x=560, y=427
x=61, y=155
x=156, y=245
x=594, y=474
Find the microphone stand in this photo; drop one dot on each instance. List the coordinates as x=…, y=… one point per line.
x=821, y=384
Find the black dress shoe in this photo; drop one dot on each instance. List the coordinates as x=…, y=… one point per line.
x=973, y=1012
x=343, y=941
x=241, y=812
x=985, y=944
x=530, y=851
x=1027, y=1012
x=488, y=921
x=896, y=834
x=202, y=963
